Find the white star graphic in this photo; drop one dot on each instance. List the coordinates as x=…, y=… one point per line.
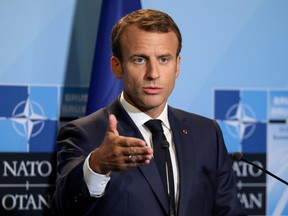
x=243, y=121
x=28, y=118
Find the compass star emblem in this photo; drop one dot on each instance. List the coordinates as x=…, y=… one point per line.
x=240, y=121
x=28, y=118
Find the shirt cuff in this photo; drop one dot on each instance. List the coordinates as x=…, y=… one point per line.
x=95, y=182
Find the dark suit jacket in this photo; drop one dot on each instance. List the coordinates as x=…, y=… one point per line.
x=207, y=181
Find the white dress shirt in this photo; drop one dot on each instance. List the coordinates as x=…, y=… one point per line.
x=96, y=183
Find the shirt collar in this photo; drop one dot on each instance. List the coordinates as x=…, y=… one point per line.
x=139, y=117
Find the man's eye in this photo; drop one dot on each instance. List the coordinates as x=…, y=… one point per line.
x=139, y=60
x=164, y=59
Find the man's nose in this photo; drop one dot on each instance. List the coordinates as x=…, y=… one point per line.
x=153, y=70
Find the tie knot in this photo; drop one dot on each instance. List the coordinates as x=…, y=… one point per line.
x=154, y=125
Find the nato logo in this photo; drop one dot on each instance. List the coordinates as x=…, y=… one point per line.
x=242, y=116
x=28, y=118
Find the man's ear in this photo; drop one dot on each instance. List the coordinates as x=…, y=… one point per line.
x=178, y=66
x=116, y=67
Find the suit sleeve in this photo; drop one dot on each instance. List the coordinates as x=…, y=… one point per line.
x=71, y=194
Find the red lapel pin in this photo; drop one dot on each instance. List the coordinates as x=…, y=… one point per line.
x=185, y=131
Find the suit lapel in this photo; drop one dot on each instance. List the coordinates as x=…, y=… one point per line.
x=126, y=127
x=183, y=139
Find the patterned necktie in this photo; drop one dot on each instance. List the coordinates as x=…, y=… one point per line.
x=162, y=159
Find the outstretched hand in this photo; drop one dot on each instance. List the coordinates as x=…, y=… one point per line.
x=118, y=153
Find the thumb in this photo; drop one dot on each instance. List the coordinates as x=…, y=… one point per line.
x=112, y=125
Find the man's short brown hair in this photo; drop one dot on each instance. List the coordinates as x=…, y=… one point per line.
x=147, y=20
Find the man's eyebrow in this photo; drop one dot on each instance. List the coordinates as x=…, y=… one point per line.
x=169, y=55
x=166, y=55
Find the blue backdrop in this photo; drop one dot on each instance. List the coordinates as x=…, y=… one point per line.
x=234, y=68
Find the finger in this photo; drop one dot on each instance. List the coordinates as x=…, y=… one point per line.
x=143, y=156
x=112, y=125
x=139, y=151
x=131, y=161
x=131, y=142
x=134, y=161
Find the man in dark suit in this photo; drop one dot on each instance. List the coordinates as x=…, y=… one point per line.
x=106, y=161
